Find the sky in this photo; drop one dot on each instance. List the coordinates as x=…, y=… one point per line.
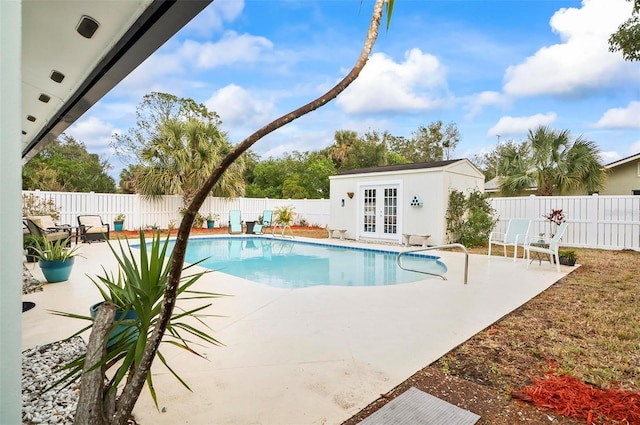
x=494, y=68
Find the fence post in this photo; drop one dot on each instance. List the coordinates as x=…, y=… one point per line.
x=593, y=239
x=530, y=208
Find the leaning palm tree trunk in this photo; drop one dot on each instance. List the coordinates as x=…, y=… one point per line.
x=127, y=399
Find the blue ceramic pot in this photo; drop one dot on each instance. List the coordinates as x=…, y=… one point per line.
x=57, y=271
x=118, y=225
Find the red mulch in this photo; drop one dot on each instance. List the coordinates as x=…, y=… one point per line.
x=570, y=397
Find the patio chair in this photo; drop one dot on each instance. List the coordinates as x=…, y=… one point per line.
x=547, y=247
x=267, y=216
x=43, y=225
x=92, y=228
x=516, y=234
x=235, y=223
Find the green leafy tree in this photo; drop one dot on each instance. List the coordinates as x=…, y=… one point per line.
x=552, y=163
x=432, y=143
x=180, y=157
x=627, y=38
x=342, y=147
x=129, y=178
x=174, y=145
x=151, y=114
x=367, y=151
x=296, y=176
x=251, y=159
x=490, y=162
x=314, y=175
x=351, y=151
x=66, y=165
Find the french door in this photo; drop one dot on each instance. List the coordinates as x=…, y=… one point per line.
x=379, y=211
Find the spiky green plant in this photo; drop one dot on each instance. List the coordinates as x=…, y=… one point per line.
x=139, y=286
x=58, y=250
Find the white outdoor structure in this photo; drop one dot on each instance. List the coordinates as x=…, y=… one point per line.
x=385, y=203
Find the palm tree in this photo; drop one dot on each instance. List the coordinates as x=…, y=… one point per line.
x=181, y=157
x=553, y=163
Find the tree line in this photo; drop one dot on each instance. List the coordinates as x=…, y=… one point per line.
x=177, y=142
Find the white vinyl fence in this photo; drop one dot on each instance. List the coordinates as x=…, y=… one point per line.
x=140, y=212
x=608, y=222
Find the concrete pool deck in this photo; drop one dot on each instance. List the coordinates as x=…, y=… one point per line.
x=304, y=356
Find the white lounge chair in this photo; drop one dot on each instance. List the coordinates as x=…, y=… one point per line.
x=547, y=248
x=516, y=234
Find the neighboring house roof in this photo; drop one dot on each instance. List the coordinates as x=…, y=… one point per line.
x=622, y=161
x=493, y=185
x=398, y=167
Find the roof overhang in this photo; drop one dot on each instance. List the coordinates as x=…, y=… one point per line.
x=128, y=33
x=623, y=161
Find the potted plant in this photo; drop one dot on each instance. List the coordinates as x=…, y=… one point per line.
x=567, y=257
x=55, y=259
x=284, y=218
x=285, y=215
x=211, y=220
x=555, y=218
x=136, y=293
x=118, y=222
x=29, y=244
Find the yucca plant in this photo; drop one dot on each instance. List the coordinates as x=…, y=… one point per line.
x=285, y=214
x=58, y=250
x=139, y=286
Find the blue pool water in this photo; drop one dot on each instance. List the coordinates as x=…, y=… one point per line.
x=295, y=264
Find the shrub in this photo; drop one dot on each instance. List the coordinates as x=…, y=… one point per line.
x=34, y=205
x=469, y=219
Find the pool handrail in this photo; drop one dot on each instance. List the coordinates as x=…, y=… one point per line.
x=450, y=245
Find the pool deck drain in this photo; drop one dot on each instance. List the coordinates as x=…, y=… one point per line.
x=415, y=407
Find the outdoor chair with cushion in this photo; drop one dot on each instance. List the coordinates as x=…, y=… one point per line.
x=516, y=234
x=235, y=223
x=267, y=216
x=43, y=225
x=547, y=247
x=92, y=228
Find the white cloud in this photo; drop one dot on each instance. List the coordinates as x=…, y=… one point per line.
x=634, y=148
x=581, y=61
x=231, y=49
x=519, y=125
x=213, y=17
x=94, y=133
x=628, y=117
x=487, y=98
x=238, y=107
x=609, y=156
x=416, y=84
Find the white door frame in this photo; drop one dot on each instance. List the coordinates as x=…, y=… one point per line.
x=379, y=185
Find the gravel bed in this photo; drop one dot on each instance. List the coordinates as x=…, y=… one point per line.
x=40, y=367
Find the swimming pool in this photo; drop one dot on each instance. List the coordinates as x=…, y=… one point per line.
x=297, y=264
